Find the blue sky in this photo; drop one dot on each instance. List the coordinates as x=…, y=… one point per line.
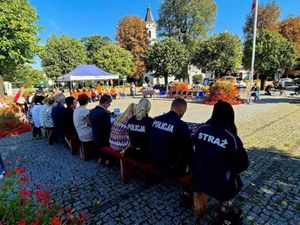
x=78, y=18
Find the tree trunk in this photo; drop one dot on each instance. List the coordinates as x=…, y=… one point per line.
x=1, y=87
x=262, y=82
x=166, y=81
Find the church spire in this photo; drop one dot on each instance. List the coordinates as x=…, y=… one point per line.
x=149, y=16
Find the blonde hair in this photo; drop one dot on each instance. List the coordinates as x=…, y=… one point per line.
x=144, y=107
x=129, y=112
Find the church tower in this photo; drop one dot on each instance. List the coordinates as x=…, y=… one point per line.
x=150, y=26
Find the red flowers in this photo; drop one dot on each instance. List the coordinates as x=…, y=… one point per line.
x=27, y=207
x=55, y=221
x=20, y=170
x=22, y=222
x=24, y=179
x=24, y=201
x=11, y=124
x=43, y=197
x=25, y=192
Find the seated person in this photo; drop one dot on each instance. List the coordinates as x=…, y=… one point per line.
x=268, y=90
x=171, y=148
x=119, y=137
x=58, y=112
x=114, y=93
x=219, y=157
x=82, y=122
x=139, y=130
x=47, y=119
x=101, y=126
x=69, y=127
x=255, y=92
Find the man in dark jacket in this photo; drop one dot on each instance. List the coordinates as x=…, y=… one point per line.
x=58, y=113
x=219, y=156
x=171, y=147
x=101, y=124
x=69, y=128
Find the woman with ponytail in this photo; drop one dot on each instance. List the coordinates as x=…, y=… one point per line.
x=139, y=131
x=119, y=138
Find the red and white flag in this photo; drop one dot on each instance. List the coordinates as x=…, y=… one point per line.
x=253, y=5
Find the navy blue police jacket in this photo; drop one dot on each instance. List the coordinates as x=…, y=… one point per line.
x=170, y=143
x=139, y=132
x=219, y=159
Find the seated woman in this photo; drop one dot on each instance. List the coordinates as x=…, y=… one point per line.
x=139, y=130
x=82, y=123
x=218, y=160
x=47, y=120
x=255, y=92
x=119, y=137
x=38, y=105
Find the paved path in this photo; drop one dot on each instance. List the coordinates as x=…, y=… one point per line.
x=271, y=193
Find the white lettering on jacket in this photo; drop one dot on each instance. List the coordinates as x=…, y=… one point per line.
x=213, y=140
x=163, y=126
x=137, y=128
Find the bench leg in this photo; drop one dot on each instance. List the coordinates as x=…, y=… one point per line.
x=68, y=142
x=200, y=201
x=127, y=169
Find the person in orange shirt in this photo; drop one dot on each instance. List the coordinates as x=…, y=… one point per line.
x=114, y=93
x=99, y=90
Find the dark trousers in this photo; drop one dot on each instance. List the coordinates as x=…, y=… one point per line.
x=36, y=131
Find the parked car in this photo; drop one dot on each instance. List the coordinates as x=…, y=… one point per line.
x=241, y=84
x=286, y=82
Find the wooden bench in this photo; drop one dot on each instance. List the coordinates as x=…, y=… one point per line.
x=73, y=143
x=86, y=150
x=129, y=165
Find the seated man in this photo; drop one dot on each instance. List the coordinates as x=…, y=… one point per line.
x=58, y=112
x=101, y=126
x=171, y=148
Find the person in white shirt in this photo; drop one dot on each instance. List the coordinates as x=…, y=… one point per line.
x=38, y=102
x=81, y=120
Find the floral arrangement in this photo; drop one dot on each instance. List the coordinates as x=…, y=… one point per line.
x=178, y=86
x=11, y=123
x=21, y=205
x=225, y=90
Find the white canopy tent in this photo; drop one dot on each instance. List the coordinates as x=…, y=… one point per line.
x=87, y=72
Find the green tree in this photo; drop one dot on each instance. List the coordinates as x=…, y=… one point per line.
x=267, y=19
x=186, y=20
x=132, y=36
x=115, y=60
x=221, y=53
x=166, y=58
x=273, y=54
x=61, y=55
x=26, y=75
x=93, y=44
x=18, y=31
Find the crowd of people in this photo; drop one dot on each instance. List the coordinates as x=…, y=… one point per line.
x=214, y=154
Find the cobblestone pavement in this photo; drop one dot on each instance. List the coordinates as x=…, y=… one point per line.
x=271, y=193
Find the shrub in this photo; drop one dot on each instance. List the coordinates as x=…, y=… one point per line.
x=224, y=90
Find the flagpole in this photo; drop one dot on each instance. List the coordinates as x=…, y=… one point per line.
x=254, y=42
